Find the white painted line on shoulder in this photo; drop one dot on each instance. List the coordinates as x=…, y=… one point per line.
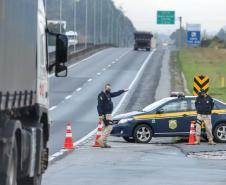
x=79, y=89
x=113, y=62
x=98, y=73
x=68, y=97
x=52, y=108
x=90, y=80
x=104, y=69
x=134, y=80
x=109, y=65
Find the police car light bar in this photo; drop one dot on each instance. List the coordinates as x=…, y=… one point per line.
x=177, y=94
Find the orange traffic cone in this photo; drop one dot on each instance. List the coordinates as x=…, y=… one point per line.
x=191, y=140
x=98, y=135
x=68, y=142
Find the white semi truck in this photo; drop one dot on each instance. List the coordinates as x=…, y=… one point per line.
x=24, y=95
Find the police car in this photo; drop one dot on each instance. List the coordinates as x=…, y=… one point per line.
x=168, y=117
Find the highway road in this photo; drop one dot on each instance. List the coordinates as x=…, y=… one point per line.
x=159, y=162
x=74, y=98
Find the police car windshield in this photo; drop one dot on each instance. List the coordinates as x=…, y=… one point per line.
x=155, y=105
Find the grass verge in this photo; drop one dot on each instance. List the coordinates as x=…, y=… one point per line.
x=204, y=61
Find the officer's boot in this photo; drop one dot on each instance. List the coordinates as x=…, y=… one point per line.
x=197, y=142
x=105, y=140
x=211, y=142
x=106, y=146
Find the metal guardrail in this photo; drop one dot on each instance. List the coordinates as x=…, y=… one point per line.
x=80, y=51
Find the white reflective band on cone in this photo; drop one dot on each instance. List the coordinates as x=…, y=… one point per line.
x=69, y=135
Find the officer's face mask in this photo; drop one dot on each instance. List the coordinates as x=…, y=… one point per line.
x=108, y=90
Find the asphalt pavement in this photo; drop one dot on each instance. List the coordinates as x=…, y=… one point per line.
x=74, y=98
x=134, y=164
x=160, y=162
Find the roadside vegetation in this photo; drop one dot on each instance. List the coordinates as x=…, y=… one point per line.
x=203, y=61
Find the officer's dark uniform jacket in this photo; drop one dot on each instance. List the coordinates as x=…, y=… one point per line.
x=105, y=105
x=204, y=105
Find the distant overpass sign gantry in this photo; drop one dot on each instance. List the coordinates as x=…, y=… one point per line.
x=165, y=17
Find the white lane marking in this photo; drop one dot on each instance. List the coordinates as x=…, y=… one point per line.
x=98, y=53
x=123, y=98
x=57, y=154
x=52, y=108
x=115, y=110
x=90, y=80
x=79, y=89
x=62, y=151
x=135, y=79
x=109, y=65
x=104, y=69
x=68, y=97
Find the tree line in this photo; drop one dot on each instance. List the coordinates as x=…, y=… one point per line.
x=105, y=22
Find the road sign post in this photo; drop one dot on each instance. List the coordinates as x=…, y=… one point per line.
x=165, y=17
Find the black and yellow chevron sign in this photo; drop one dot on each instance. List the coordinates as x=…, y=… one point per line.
x=201, y=82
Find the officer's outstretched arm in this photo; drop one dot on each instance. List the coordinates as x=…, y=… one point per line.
x=118, y=93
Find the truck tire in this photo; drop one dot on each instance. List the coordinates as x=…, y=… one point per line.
x=11, y=177
x=148, y=49
x=135, y=49
x=36, y=180
x=30, y=180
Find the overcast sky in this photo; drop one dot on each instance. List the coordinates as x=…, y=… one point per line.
x=210, y=13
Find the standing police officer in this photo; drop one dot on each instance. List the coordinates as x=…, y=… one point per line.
x=105, y=108
x=204, y=105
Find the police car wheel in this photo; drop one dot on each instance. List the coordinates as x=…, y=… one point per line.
x=220, y=133
x=143, y=133
x=129, y=139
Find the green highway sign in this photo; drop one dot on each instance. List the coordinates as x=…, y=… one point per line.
x=165, y=17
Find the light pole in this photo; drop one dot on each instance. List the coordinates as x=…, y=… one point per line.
x=75, y=22
x=109, y=24
x=112, y=26
x=94, y=24
x=86, y=25
x=118, y=22
x=180, y=33
x=101, y=21
x=60, y=16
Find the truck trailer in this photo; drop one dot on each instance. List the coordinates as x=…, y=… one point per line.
x=142, y=40
x=24, y=94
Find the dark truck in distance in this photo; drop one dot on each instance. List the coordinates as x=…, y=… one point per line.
x=142, y=40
